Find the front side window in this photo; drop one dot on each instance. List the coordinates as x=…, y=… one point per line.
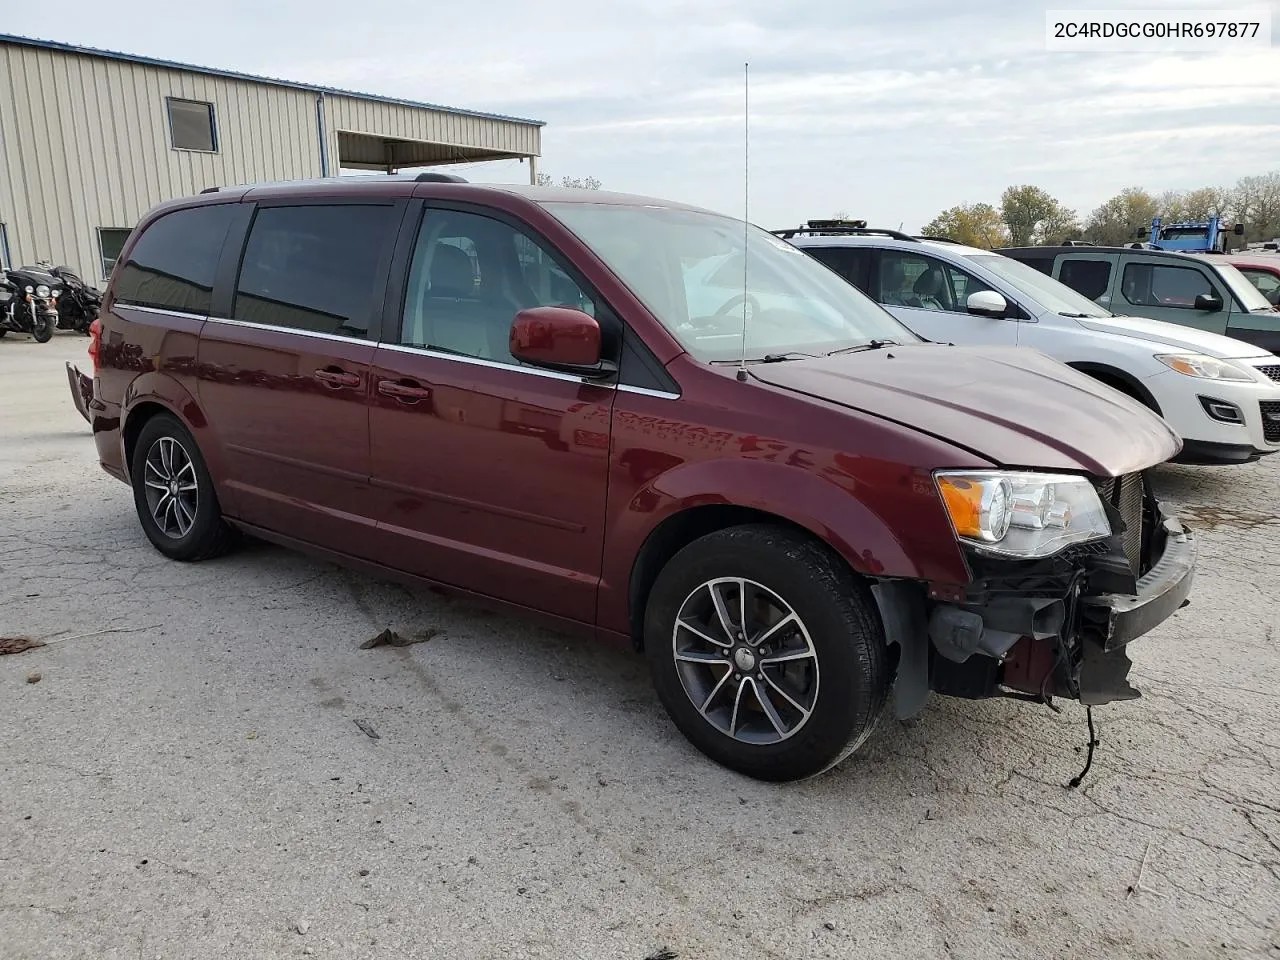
x=1158, y=285
x=191, y=125
x=172, y=265
x=315, y=268
x=110, y=243
x=676, y=261
x=1090, y=278
x=469, y=277
x=925, y=283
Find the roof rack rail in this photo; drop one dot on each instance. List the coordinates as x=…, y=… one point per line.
x=1078, y=243
x=810, y=230
x=429, y=177
x=939, y=239
x=210, y=189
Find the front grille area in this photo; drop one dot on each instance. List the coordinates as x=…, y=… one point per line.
x=1126, y=495
x=1272, y=371
x=1271, y=418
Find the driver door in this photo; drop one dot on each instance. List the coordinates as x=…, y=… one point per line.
x=930, y=297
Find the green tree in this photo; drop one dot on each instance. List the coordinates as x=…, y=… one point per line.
x=1257, y=205
x=974, y=224
x=1118, y=220
x=1033, y=216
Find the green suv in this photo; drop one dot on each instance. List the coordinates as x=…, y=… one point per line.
x=1195, y=290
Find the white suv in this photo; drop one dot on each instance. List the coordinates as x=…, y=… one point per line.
x=1221, y=395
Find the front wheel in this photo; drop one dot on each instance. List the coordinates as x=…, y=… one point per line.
x=767, y=652
x=42, y=329
x=173, y=493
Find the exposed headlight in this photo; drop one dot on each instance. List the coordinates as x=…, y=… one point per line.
x=29, y=289
x=1022, y=514
x=41, y=291
x=1206, y=368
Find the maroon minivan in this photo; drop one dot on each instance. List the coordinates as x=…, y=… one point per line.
x=645, y=420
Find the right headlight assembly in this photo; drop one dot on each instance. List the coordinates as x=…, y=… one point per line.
x=1021, y=515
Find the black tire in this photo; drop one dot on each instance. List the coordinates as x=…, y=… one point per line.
x=2, y=333
x=208, y=535
x=42, y=330
x=851, y=671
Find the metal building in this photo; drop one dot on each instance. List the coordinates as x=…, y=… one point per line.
x=90, y=140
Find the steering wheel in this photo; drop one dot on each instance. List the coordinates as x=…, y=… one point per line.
x=753, y=305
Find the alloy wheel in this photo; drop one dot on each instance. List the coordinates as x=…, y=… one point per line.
x=746, y=660
x=172, y=490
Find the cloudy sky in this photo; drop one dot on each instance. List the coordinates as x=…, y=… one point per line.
x=888, y=109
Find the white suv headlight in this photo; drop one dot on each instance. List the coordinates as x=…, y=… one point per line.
x=1026, y=515
x=1206, y=368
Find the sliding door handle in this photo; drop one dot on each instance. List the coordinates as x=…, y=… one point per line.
x=408, y=392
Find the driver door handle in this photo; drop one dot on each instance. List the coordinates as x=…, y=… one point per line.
x=334, y=377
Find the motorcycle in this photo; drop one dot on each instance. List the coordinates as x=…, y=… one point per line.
x=78, y=306
x=29, y=302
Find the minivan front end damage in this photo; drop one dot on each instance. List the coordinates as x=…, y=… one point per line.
x=1057, y=626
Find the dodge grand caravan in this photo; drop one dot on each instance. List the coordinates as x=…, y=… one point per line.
x=501, y=390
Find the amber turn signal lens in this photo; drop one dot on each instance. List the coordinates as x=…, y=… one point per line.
x=963, y=498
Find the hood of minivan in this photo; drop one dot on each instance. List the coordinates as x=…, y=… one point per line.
x=1012, y=405
x=1174, y=336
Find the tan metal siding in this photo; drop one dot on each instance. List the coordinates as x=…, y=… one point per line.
x=397, y=122
x=84, y=143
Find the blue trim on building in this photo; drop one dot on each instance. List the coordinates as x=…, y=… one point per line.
x=233, y=75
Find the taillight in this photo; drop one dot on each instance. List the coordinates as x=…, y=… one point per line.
x=95, y=342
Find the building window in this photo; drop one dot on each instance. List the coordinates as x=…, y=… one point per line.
x=110, y=243
x=191, y=125
x=5, y=262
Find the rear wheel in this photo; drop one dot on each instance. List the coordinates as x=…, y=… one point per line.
x=766, y=652
x=174, y=495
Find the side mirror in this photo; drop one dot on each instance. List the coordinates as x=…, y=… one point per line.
x=1208, y=302
x=559, y=338
x=988, y=303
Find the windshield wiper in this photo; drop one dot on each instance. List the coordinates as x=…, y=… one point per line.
x=1078, y=316
x=869, y=345
x=789, y=355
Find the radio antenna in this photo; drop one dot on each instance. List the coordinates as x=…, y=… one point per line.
x=746, y=207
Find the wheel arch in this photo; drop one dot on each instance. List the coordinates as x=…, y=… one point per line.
x=1120, y=380
x=874, y=528
x=679, y=530
x=153, y=393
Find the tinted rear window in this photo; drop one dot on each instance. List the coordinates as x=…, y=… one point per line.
x=314, y=268
x=174, y=261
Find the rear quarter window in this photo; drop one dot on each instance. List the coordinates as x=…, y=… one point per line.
x=174, y=261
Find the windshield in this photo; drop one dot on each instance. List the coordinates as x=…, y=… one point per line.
x=1044, y=290
x=687, y=268
x=1248, y=295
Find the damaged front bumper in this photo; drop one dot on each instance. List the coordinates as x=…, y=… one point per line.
x=1039, y=629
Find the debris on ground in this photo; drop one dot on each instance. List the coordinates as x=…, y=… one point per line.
x=18, y=644
x=389, y=638
x=663, y=954
x=367, y=727
x=34, y=677
x=302, y=926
